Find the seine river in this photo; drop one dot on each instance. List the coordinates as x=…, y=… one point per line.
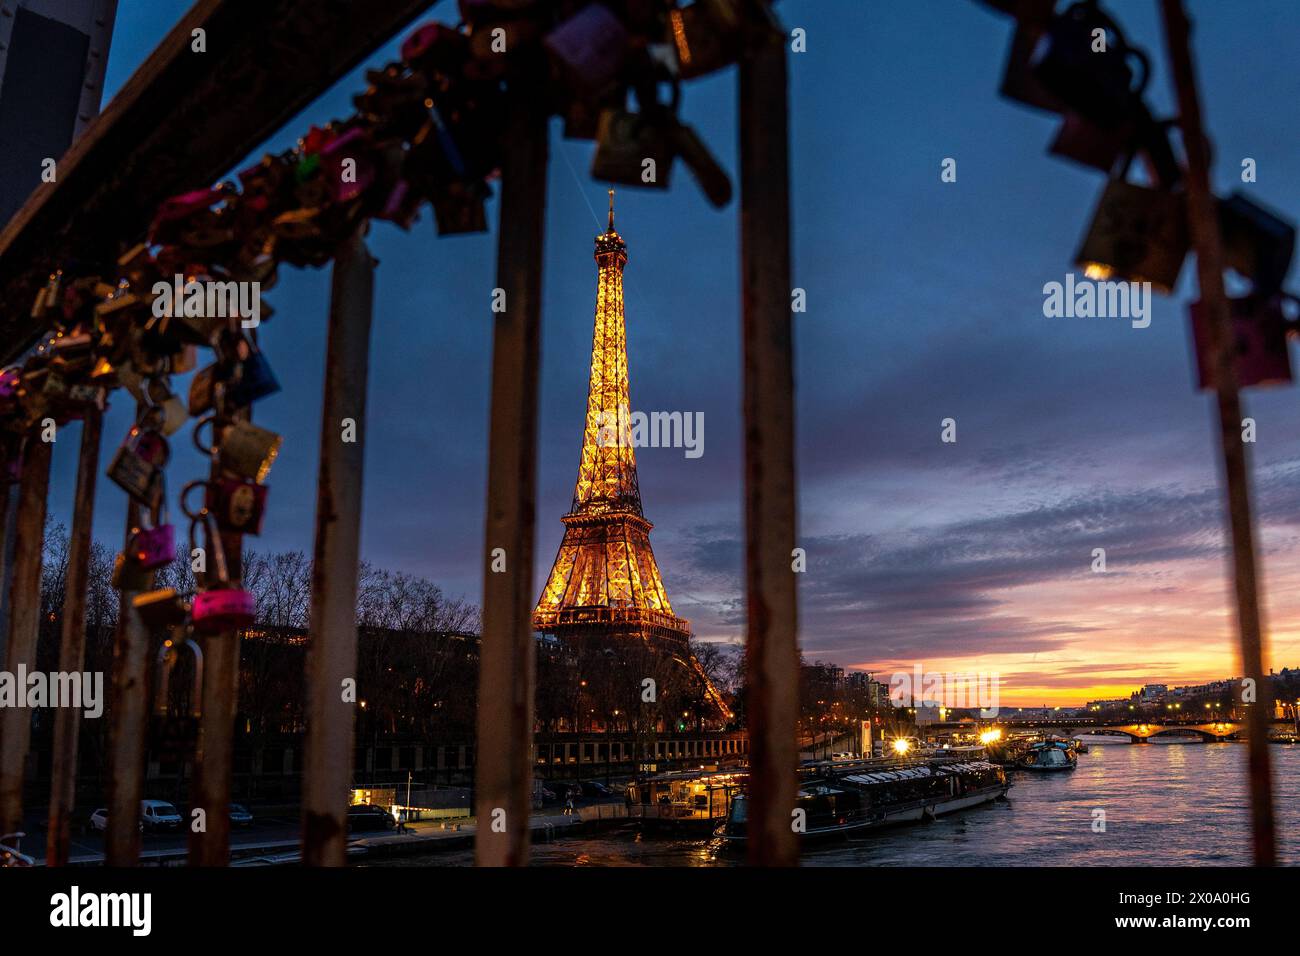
x=1165, y=804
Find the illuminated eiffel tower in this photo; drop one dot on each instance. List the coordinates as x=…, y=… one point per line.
x=605, y=584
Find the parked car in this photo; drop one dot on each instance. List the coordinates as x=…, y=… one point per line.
x=595, y=790
x=367, y=816
x=99, y=821
x=159, y=815
x=239, y=816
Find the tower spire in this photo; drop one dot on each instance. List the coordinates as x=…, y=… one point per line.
x=611, y=210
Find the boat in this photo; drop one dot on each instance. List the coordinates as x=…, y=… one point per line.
x=683, y=800
x=1047, y=755
x=848, y=798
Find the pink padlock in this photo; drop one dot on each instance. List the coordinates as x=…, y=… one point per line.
x=353, y=146
x=153, y=548
x=223, y=609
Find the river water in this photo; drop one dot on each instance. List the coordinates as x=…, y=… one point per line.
x=1165, y=804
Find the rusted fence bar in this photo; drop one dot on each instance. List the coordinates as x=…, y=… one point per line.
x=1203, y=220
x=771, y=640
x=128, y=718
x=24, y=623
x=72, y=644
x=332, y=654
x=7, y=502
x=507, y=661
x=209, y=845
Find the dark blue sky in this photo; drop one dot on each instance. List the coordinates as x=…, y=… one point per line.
x=924, y=302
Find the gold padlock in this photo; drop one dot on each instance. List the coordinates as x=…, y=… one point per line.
x=247, y=450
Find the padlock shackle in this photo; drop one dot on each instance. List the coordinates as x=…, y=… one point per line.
x=168, y=655
x=209, y=449
x=203, y=483
x=213, y=549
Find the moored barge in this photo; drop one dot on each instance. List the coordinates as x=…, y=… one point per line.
x=846, y=798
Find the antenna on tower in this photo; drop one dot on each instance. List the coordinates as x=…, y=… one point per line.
x=611, y=209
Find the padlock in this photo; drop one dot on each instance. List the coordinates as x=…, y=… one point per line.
x=459, y=208
x=589, y=48
x=206, y=388
x=1097, y=83
x=186, y=360
x=218, y=607
x=252, y=377
x=173, y=414
x=137, y=466
x=88, y=394
x=162, y=609
x=1257, y=243
x=1137, y=234
x=174, y=736
x=72, y=351
x=244, y=449
x=10, y=383
x=394, y=102
x=48, y=298
x=152, y=544
x=706, y=35
x=632, y=150
x=352, y=145
x=1259, y=340
x=238, y=504
x=128, y=576
x=435, y=47
x=176, y=217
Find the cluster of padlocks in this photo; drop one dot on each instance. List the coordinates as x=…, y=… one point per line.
x=427, y=129
x=1077, y=63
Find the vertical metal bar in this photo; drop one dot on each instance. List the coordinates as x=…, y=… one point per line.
x=507, y=662
x=332, y=654
x=72, y=645
x=24, y=623
x=772, y=652
x=127, y=718
x=8, y=520
x=1203, y=219
x=214, y=757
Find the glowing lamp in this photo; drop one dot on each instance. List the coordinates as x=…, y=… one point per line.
x=1137, y=234
x=902, y=746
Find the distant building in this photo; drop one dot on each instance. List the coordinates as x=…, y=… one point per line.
x=1153, y=693
x=877, y=693
x=1114, y=703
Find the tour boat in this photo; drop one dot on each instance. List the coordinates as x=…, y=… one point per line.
x=1049, y=755
x=850, y=797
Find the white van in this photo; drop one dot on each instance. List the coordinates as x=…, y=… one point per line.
x=159, y=815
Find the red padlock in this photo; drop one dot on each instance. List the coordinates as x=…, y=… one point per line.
x=238, y=504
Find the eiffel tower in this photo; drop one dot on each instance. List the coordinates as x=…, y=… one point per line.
x=605, y=583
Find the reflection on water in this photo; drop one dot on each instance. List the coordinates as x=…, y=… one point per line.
x=1165, y=804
